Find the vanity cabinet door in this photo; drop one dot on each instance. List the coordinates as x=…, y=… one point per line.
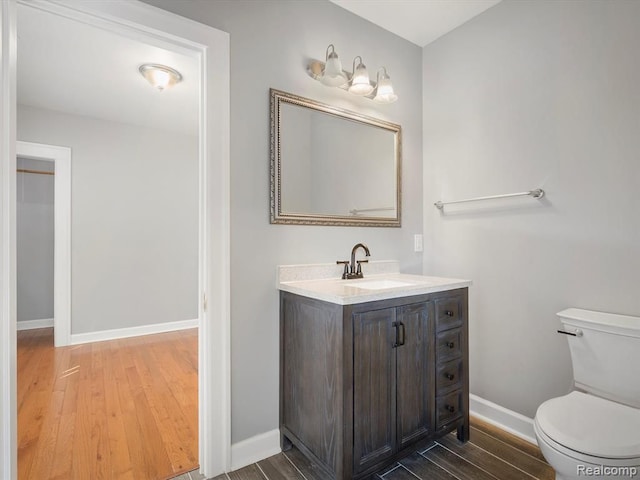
x=374, y=388
x=393, y=390
x=414, y=380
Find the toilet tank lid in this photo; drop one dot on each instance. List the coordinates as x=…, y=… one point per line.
x=608, y=322
x=591, y=425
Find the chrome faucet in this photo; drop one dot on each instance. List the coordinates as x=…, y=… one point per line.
x=350, y=268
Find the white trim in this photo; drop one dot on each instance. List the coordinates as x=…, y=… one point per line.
x=8, y=395
x=211, y=46
x=503, y=418
x=33, y=324
x=215, y=245
x=116, y=333
x=254, y=449
x=61, y=156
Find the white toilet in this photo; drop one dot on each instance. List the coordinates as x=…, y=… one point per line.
x=594, y=431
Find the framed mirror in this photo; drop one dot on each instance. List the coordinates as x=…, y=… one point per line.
x=330, y=166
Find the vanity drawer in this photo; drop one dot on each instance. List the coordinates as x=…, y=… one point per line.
x=448, y=345
x=448, y=408
x=448, y=376
x=448, y=313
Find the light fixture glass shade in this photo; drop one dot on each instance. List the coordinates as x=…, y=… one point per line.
x=384, y=92
x=160, y=76
x=333, y=76
x=360, y=84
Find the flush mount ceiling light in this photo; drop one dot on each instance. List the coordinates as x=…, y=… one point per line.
x=357, y=82
x=160, y=76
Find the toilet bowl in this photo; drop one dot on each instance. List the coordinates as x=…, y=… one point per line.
x=584, y=436
x=594, y=431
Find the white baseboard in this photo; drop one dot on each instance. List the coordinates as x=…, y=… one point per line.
x=33, y=324
x=255, y=449
x=508, y=420
x=116, y=333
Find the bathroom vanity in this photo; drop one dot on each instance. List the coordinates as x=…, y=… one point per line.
x=372, y=369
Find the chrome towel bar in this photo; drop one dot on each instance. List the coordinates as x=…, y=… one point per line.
x=537, y=193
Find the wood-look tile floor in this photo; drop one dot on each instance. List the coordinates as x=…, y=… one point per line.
x=121, y=409
x=490, y=454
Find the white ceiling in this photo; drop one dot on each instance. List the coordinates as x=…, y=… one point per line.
x=68, y=66
x=419, y=21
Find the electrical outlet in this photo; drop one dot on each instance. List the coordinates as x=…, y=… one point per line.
x=417, y=242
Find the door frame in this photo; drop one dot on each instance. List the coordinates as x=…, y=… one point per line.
x=211, y=47
x=61, y=157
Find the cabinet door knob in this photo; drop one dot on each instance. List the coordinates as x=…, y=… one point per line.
x=451, y=344
x=450, y=408
x=450, y=376
x=448, y=313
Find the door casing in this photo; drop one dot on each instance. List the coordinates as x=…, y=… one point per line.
x=211, y=47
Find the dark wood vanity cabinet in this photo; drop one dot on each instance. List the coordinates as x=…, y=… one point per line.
x=363, y=385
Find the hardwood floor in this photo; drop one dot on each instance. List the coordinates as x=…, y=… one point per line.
x=121, y=409
x=490, y=454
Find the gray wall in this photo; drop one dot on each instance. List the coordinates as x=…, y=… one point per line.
x=134, y=222
x=34, y=222
x=535, y=94
x=270, y=44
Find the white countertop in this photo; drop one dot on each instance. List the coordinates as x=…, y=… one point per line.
x=347, y=292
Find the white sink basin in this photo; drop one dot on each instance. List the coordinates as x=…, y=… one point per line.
x=378, y=284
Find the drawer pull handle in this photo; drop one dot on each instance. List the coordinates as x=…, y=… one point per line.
x=450, y=408
x=450, y=376
x=448, y=313
x=451, y=344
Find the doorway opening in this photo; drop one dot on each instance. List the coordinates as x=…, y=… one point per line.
x=211, y=48
x=134, y=255
x=59, y=160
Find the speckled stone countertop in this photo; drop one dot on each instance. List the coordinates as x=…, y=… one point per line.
x=382, y=280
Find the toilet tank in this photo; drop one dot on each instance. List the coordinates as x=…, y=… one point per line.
x=605, y=353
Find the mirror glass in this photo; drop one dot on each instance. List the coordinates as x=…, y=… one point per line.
x=332, y=167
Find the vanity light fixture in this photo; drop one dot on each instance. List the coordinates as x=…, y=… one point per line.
x=360, y=83
x=332, y=74
x=357, y=82
x=384, y=90
x=160, y=76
